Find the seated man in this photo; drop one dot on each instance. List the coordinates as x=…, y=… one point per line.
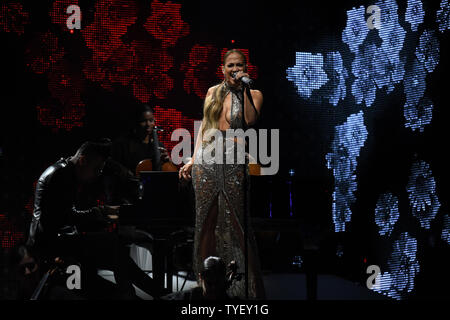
x=58, y=221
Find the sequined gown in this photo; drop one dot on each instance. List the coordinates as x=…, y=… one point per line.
x=219, y=225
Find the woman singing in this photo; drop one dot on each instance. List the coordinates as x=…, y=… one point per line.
x=219, y=189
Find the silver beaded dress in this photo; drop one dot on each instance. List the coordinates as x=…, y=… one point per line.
x=219, y=200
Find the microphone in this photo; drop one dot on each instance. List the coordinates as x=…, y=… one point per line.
x=245, y=80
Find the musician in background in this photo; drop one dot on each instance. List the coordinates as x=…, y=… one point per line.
x=24, y=269
x=65, y=224
x=26, y=273
x=121, y=182
x=140, y=143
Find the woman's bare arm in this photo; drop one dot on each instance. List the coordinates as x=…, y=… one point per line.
x=252, y=113
x=185, y=171
x=200, y=134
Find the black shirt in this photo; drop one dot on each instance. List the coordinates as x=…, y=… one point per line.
x=57, y=204
x=129, y=151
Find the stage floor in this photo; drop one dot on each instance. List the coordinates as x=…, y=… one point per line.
x=286, y=286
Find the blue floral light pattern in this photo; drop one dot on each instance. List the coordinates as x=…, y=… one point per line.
x=337, y=74
x=389, y=18
x=308, y=73
x=348, y=140
x=388, y=72
x=414, y=13
x=364, y=68
x=393, y=39
x=446, y=229
x=417, y=117
x=386, y=213
x=443, y=16
x=356, y=29
x=427, y=51
x=376, y=67
x=403, y=263
x=403, y=268
x=343, y=198
x=414, y=83
x=383, y=284
x=421, y=190
x=355, y=134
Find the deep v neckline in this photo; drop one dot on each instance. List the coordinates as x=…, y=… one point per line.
x=231, y=108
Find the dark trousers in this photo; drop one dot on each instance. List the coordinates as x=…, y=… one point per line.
x=105, y=250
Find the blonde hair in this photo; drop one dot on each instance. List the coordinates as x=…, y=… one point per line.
x=212, y=108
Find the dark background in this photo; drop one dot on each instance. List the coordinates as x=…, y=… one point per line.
x=272, y=32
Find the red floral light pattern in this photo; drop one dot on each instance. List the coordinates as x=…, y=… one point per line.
x=59, y=14
x=140, y=65
x=170, y=119
x=116, y=68
x=100, y=40
x=152, y=65
x=112, y=60
x=116, y=15
x=111, y=21
x=200, y=69
x=13, y=18
x=9, y=235
x=43, y=52
x=58, y=117
x=66, y=84
x=165, y=23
